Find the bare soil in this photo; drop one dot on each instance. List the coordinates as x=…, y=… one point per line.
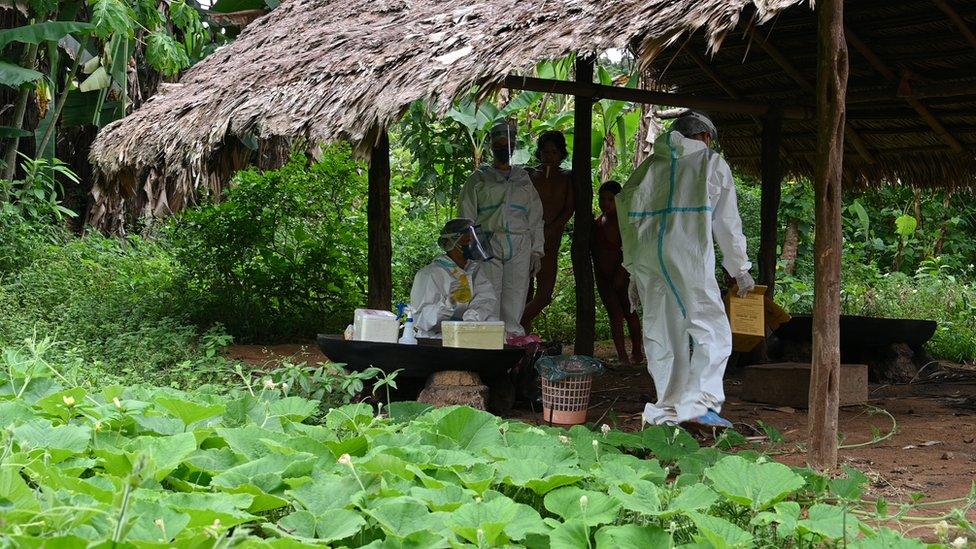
x=932, y=451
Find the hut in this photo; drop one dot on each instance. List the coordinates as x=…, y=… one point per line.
x=774, y=73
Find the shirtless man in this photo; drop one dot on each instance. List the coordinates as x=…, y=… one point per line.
x=612, y=279
x=555, y=188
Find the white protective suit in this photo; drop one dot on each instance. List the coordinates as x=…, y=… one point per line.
x=509, y=210
x=444, y=291
x=670, y=209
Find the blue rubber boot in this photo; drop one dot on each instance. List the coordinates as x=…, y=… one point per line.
x=709, y=421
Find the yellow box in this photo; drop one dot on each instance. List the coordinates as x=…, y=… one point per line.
x=747, y=318
x=473, y=335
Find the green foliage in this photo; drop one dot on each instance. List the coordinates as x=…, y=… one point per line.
x=142, y=466
x=36, y=197
x=165, y=54
x=282, y=255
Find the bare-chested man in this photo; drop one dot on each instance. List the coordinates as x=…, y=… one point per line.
x=612, y=279
x=555, y=188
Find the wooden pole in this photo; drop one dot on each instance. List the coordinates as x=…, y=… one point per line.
x=583, y=220
x=772, y=179
x=832, y=72
x=380, y=251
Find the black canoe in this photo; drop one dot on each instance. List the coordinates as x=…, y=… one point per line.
x=420, y=360
x=862, y=331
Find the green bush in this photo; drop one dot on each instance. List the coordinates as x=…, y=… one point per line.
x=282, y=255
x=109, y=305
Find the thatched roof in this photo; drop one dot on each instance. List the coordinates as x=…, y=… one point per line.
x=913, y=70
x=343, y=69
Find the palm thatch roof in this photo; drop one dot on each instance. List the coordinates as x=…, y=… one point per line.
x=325, y=70
x=911, y=101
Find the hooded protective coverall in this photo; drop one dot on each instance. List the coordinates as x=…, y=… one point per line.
x=444, y=291
x=670, y=209
x=509, y=210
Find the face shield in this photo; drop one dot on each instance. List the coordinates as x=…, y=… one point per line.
x=503, y=141
x=473, y=250
x=693, y=123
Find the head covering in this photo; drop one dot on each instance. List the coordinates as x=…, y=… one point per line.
x=505, y=128
x=694, y=122
x=452, y=231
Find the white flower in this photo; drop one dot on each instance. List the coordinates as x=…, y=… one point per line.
x=269, y=384
x=159, y=523
x=942, y=529
x=959, y=543
x=596, y=443
x=284, y=386
x=345, y=459
x=605, y=429
x=216, y=524
x=69, y=400
x=117, y=402
x=564, y=439
x=584, y=501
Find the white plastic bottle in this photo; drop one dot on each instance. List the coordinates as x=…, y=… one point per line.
x=409, y=337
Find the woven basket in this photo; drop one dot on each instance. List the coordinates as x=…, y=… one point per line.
x=565, y=402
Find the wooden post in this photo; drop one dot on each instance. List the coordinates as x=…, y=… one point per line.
x=832, y=72
x=380, y=251
x=772, y=179
x=583, y=220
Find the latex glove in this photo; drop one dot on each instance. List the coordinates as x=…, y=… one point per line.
x=472, y=315
x=746, y=283
x=535, y=264
x=633, y=296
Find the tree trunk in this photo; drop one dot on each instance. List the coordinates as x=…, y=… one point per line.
x=832, y=72
x=583, y=220
x=647, y=130
x=608, y=160
x=940, y=240
x=10, y=157
x=380, y=249
x=791, y=241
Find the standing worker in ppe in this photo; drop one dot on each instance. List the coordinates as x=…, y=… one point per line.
x=453, y=286
x=501, y=199
x=675, y=207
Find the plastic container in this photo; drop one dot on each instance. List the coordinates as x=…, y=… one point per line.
x=565, y=402
x=473, y=335
x=566, y=383
x=409, y=336
x=375, y=325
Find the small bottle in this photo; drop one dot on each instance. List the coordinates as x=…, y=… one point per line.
x=408, y=337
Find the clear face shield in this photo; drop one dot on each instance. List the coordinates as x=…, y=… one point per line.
x=473, y=249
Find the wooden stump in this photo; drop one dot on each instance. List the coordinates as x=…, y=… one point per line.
x=455, y=388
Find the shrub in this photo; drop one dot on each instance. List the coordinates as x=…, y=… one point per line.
x=283, y=254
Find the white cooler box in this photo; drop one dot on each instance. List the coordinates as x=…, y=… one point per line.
x=473, y=335
x=375, y=325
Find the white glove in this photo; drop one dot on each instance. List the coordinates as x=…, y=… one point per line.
x=746, y=283
x=472, y=315
x=633, y=296
x=535, y=264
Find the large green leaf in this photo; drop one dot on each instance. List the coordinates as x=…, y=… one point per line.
x=403, y=516
x=692, y=498
x=755, y=485
x=593, y=508
x=15, y=491
x=326, y=493
x=165, y=453
x=829, y=521
x=112, y=17
x=15, y=75
x=61, y=442
x=293, y=408
x=537, y=475
x=886, y=539
x=668, y=443
x=188, y=411
x=337, y=524
x=42, y=32
x=497, y=521
x=645, y=498
x=154, y=522
x=632, y=536
x=470, y=429
x=720, y=533
x=570, y=535
x=8, y=132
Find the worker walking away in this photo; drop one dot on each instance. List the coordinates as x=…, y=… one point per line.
x=555, y=188
x=675, y=207
x=612, y=280
x=454, y=286
x=501, y=199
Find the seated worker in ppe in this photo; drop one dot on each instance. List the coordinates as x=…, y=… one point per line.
x=612, y=279
x=453, y=286
x=676, y=206
x=555, y=188
x=501, y=199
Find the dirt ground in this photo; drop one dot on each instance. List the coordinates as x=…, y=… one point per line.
x=933, y=450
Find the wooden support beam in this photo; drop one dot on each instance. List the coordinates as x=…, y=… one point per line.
x=772, y=180
x=889, y=74
x=790, y=69
x=832, y=73
x=648, y=97
x=957, y=20
x=928, y=90
x=379, y=293
x=583, y=221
